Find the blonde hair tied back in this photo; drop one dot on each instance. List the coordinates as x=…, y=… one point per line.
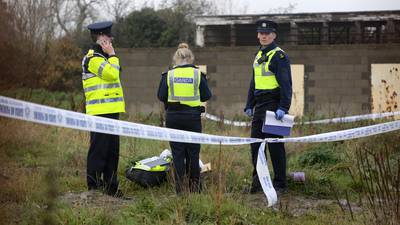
x=183, y=45
x=183, y=55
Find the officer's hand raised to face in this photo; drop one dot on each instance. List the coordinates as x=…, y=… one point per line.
x=106, y=45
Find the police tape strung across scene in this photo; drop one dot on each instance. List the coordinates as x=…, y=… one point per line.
x=343, y=134
x=58, y=117
x=23, y=110
x=347, y=119
x=40, y=114
x=52, y=116
x=227, y=122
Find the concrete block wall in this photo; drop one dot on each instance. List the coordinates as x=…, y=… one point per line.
x=141, y=72
x=337, y=77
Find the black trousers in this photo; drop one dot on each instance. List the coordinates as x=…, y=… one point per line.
x=102, y=160
x=185, y=155
x=276, y=150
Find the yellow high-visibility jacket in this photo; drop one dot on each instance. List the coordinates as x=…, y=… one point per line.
x=101, y=84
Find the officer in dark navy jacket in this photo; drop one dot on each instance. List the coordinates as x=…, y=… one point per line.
x=270, y=89
x=182, y=89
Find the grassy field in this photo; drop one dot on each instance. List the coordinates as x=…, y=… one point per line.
x=42, y=178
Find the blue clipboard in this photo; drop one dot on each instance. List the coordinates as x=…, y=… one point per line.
x=278, y=127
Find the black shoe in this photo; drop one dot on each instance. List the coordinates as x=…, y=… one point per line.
x=281, y=191
x=255, y=189
x=120, y=195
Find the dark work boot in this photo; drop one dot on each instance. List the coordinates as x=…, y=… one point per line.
x=255, y=186
x=119, y=194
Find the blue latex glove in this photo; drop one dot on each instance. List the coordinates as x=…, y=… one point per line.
x=249, y=112
x=279, y=114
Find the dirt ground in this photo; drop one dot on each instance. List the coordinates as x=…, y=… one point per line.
x=94, y=199
x=293, y=205
x=299, y=205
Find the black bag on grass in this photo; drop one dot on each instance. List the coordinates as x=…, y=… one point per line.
x=148, y=172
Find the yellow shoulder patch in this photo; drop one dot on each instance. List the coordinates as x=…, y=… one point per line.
x=90, y=53
x=281, y=55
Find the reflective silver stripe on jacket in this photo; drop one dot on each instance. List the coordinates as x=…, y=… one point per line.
x=87, y=75
x=181, y=98
x=101, y=68
x=264, y=72
x=115, y=66
x=102, y=86
x=106, y=100
x=103, y=64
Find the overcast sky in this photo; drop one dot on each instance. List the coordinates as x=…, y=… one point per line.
x=260, y=6
x=267, y=6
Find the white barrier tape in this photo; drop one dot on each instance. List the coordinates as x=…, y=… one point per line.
x=63, y=118
x=227, y=122
x=344, y=134
x=347, y=119
x=23, y=110
x=264, y=176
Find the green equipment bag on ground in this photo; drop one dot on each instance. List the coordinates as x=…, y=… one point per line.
x=149, y=172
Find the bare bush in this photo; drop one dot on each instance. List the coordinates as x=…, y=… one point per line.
x=28, y=32
x=72, y=15
x=378, y=167
x=118, y=9
x=35, y=57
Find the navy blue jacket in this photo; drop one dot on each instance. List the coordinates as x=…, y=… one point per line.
x=280, y=66
x=205, y=93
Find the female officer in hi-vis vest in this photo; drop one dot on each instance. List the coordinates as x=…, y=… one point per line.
x=182, y=89
x=270, y=89
x=104, y=97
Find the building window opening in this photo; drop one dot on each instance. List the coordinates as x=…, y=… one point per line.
x=372, y=32
x=309, y=33
x=339, y=33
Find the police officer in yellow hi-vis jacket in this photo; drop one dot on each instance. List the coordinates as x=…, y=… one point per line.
x=104, y=97
x=182, y=89
x=270, y=89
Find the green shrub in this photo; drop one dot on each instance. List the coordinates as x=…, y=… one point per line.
x=320, y=156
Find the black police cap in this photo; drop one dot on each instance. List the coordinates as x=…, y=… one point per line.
x=266, y=26
x=101, y=28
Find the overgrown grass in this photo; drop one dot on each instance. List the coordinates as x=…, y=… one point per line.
x=41, y=163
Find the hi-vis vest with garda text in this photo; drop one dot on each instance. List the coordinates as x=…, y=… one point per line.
x=101, y=84
x=184, y=86
x=265, y=79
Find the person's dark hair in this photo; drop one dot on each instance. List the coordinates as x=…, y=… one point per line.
x=94, y=37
